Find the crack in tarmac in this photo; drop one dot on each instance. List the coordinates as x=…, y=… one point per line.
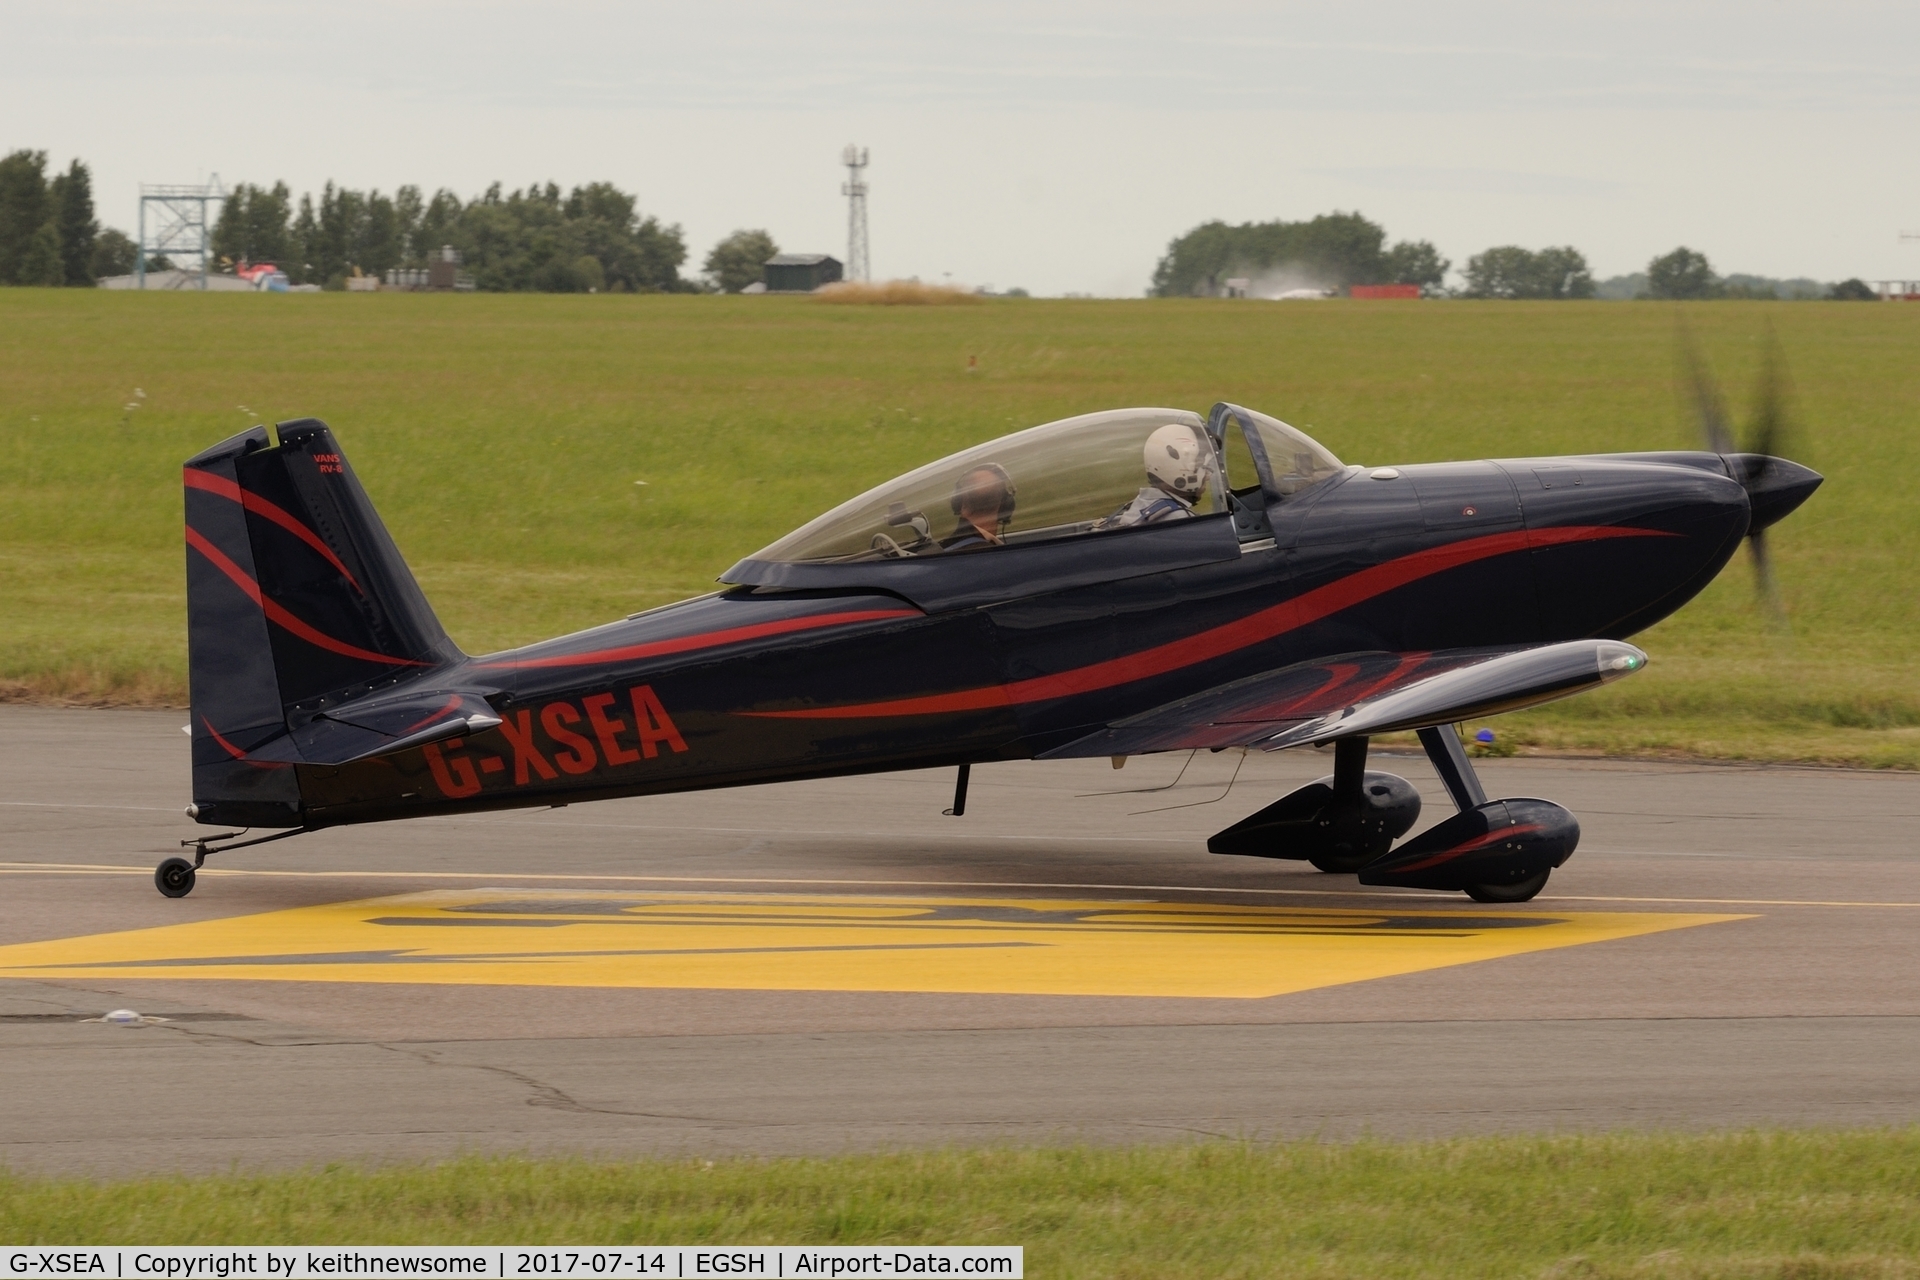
x=545, y=1095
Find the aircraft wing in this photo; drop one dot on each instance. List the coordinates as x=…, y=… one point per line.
x=1362, y=693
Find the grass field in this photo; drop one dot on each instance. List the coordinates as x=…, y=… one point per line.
x=1757, y=1204
x=503, y=438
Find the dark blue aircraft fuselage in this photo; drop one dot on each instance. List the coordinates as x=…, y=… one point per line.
x=796, y=672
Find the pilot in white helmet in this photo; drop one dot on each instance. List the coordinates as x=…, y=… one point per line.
x=1178, y=467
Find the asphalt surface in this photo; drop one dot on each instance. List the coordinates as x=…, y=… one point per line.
x=1789, y=993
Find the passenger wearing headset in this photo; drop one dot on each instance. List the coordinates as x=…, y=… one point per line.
x=1177, y=470
x=983, y=501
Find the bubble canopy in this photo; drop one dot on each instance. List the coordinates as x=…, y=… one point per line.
x=1078, y=478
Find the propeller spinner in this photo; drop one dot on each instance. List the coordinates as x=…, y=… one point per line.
x=1775, y=486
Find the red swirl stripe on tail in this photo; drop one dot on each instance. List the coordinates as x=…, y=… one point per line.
x=279, y=616
x=253, y=502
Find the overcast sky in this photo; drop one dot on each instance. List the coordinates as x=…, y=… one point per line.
x=1055, y=146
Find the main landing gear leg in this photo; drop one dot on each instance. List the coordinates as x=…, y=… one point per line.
x=1349, y=805
x=1455, y=769
x=174, y=878
x=1339, y=823
x=1517, y=842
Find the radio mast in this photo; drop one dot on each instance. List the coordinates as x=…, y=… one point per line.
x=855, y=190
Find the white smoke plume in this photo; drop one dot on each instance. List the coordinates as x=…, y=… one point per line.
x=1285, y=280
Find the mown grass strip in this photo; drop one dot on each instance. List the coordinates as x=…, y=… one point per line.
x=1747, y=1204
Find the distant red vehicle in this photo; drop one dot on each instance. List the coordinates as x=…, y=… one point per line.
x=1384, y=291
x=264, y=276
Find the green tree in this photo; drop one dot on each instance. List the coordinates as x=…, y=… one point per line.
x=41, y=264
x=407, y=210
x=1855, y=290
x=659, y=250
x=23, y=212
x=113, y=254
x=1510, y=271
x=1333, y=250
x=72, y=197
x=1562, y=273
x=436, y=226
x=536, y=239
x=739, y=260
x=255, y=226
x=331, y=248
x=590, y=238
x=306, y=231
x=1682, y=274
x=348, y=231
x=1504, y=271
x=1416, y=262
x=378, y=241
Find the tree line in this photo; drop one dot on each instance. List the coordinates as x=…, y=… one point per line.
x=590, y=239
x=1332, y=251
x=594, y=238
x=1336, y=251
x=1509, y=271
x=537, y=238
x=48, y=232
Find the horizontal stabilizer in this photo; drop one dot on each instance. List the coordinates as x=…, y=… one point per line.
x=1358, y=694
x=372, y=727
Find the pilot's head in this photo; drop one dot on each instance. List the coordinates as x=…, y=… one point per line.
x=1177, y=462
x=983, y=496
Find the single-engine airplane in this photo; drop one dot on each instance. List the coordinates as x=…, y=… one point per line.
x=1127, y=582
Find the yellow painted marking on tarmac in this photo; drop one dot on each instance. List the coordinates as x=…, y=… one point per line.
x=828, y=942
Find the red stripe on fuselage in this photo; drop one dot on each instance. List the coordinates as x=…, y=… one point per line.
x=1277, y=620
x=279, y=616
x=706, y=639
x=253, y=502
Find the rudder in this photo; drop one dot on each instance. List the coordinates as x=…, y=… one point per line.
x=297, y=600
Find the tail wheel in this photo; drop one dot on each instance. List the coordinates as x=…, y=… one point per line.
x=174, y=877
x=1517, y=891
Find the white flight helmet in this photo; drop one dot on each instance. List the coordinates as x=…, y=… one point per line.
x=1176, y=461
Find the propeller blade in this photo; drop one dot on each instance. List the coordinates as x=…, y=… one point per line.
x=1767, y=438
x=1775, y=486
x=1772, y=429
x=1708, y=407
x=1763, y=577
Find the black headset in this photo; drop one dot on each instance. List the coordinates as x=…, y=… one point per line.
x=1007, y=490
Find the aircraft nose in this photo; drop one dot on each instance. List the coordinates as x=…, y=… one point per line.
x=1775, y=487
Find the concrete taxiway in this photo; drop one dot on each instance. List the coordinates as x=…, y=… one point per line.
x=835, y=965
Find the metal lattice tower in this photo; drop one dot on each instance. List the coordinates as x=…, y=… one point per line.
x=180, y=225
x=855, y=190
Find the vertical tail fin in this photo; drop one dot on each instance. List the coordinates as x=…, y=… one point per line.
x=296, y=599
